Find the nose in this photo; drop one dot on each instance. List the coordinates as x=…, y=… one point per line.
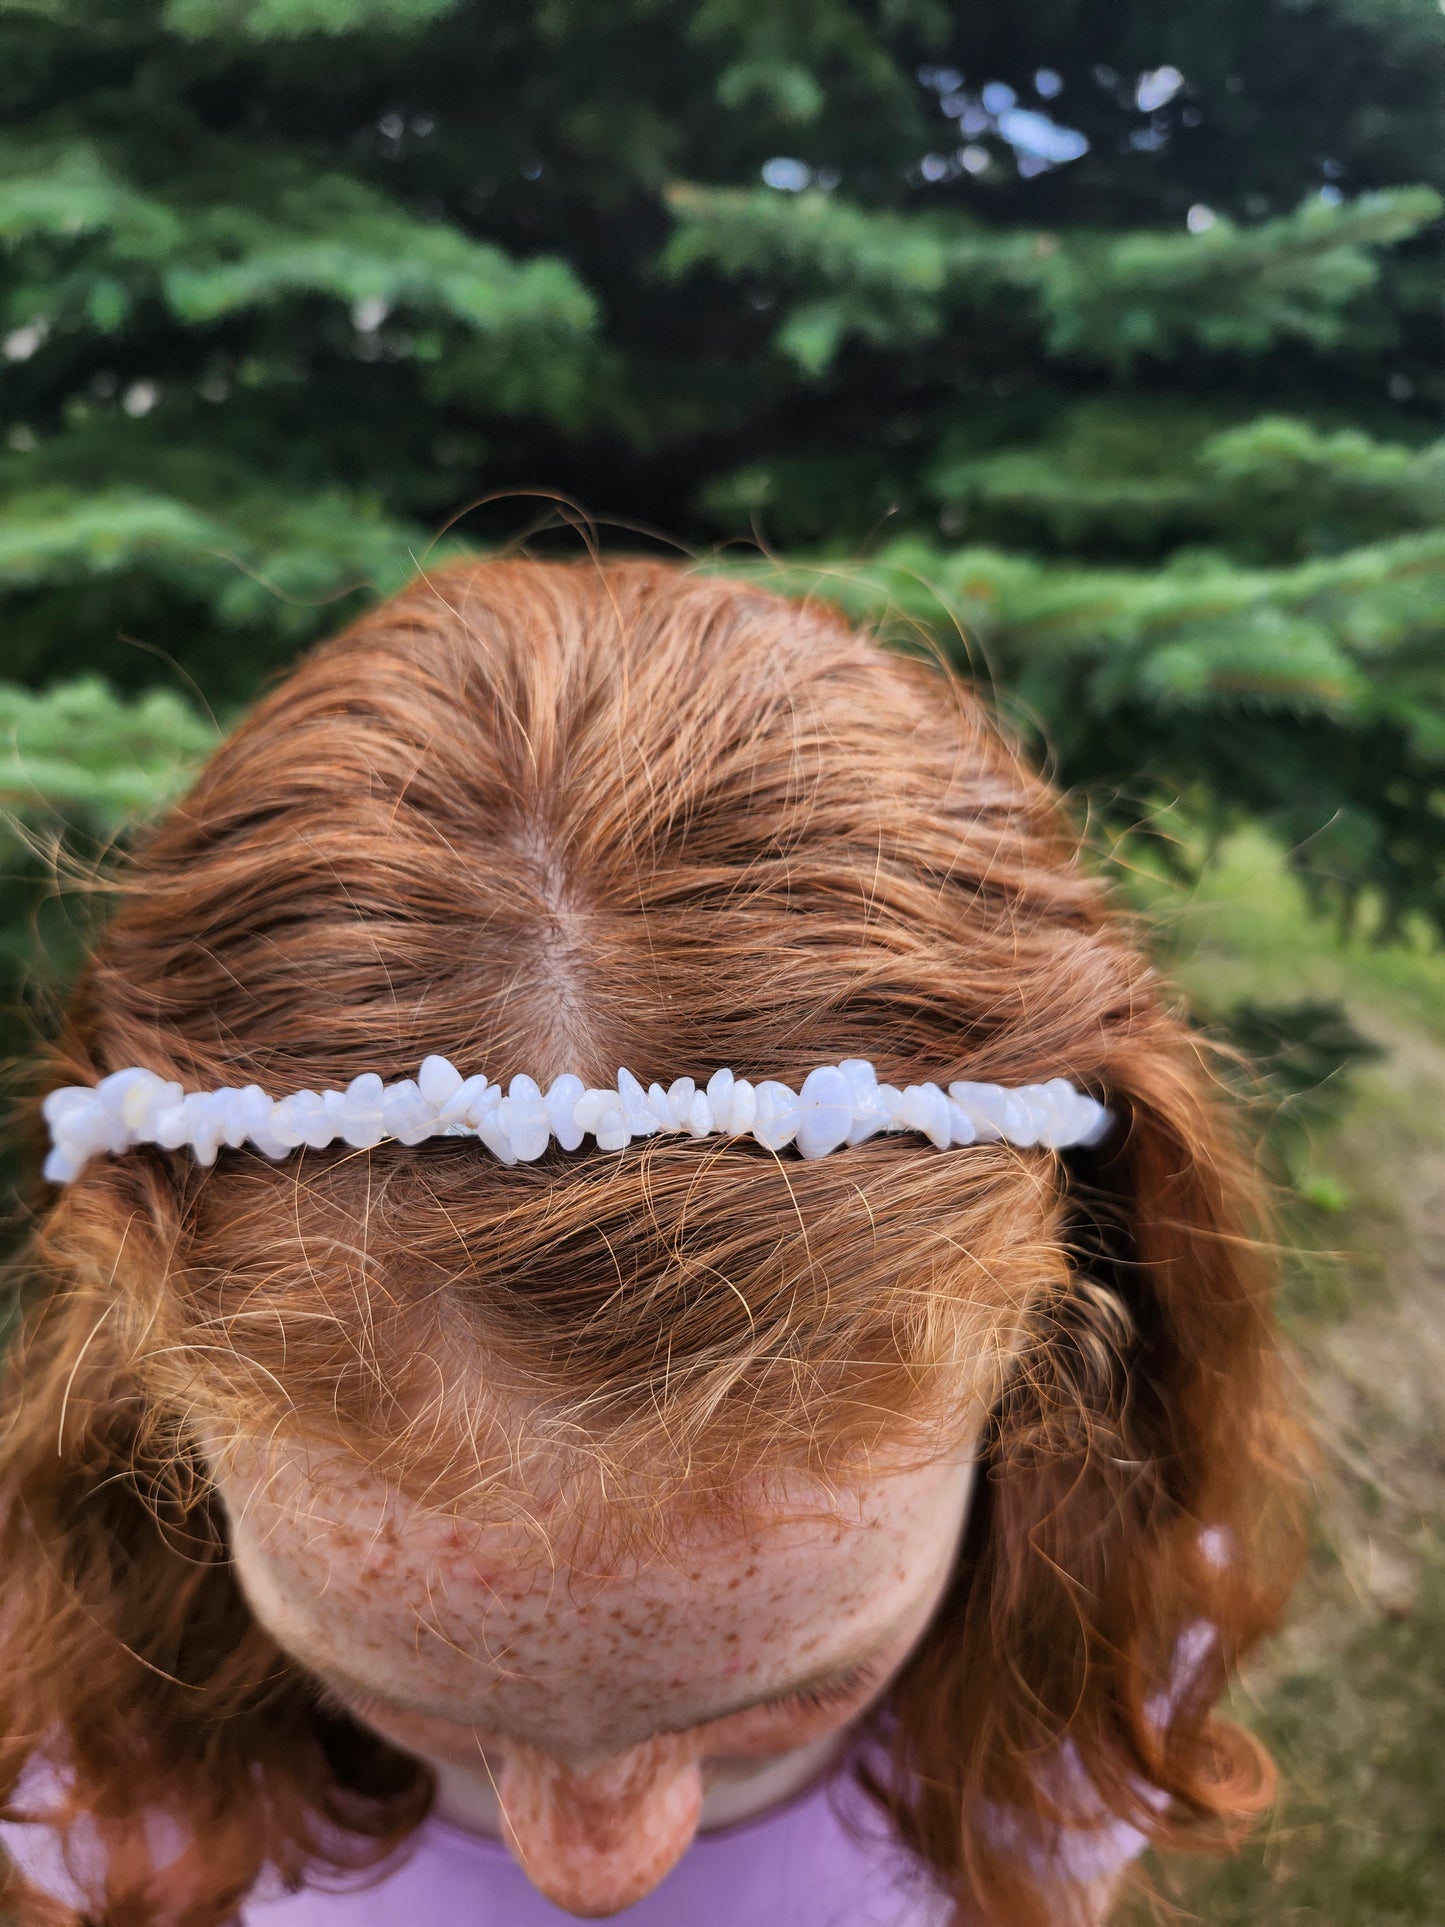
x=594, y=1840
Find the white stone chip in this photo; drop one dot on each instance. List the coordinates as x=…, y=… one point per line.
x=490, y=1131
x=826, y=1104
x=779, y=1115
x=207, y=1116
x=720, y=1097
x=869, y=1116
x=456, y=1108
x=409, y=1116
x=637, y=1113
x=69, y=1101
x=590, y=1106
x=680, y=1093
x=925, y=1108
x=529, y=1127
x=744, y=1106
x=562, y=1095
x=986, y=1105
x=438, y=1080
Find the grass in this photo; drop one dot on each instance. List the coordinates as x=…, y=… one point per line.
x=1351, y=1698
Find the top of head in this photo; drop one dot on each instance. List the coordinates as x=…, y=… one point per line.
x=561, y=818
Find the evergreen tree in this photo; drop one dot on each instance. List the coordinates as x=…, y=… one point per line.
x=1101, y=342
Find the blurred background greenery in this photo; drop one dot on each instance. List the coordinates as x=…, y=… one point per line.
x=1098, y=340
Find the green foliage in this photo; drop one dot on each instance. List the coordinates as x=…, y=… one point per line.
x=245, y=232
x=74, y=751
x=290, y=19
x=1275, y=487
x=263, y=559
x=1298, y=1063
x=1110, y=298
x=1310, y=697
x=1108, y=337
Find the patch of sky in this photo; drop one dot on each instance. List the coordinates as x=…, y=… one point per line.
x=1036, y=138
x=369, y=312
x=787, y=175
x=140, y=398
x=1156, y=87
x=1038, y=141
x=20, y=344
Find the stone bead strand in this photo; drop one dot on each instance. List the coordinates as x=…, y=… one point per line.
x=837, y=1104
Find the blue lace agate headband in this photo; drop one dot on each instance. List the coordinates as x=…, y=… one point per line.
x=838, y=1104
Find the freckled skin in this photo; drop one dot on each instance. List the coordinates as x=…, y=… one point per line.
x=594, y=1718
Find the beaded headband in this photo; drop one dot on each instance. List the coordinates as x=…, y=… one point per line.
x=837, y=1104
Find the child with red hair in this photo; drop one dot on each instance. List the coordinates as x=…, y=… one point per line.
x=647, y=1309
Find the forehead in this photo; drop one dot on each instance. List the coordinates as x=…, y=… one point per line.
x=441, y=1611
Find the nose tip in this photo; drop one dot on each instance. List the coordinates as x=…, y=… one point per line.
x=595, y=1842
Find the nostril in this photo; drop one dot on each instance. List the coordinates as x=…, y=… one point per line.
x=594, y=1844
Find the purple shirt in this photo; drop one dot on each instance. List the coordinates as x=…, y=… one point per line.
x=824, y=1859
x=800, y=1865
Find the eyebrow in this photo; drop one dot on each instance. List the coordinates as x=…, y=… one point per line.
x=339, y=1685
x=814, y=1683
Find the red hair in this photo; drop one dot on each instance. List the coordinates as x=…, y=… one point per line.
x=547, y=817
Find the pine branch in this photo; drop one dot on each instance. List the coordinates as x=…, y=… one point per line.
x=268, y=562
x=893, y=280
x=78, y=753
x=294, y=19
x=1303, y=638
x=1275, y=488
x=244, y=232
